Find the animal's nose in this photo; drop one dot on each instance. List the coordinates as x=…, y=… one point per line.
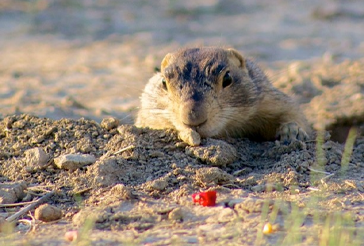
x=193, y=113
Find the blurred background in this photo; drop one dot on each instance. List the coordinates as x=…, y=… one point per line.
x=88, y=58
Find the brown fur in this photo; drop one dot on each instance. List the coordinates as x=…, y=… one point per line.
x=191, y=95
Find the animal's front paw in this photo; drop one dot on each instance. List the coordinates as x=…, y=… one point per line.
x=190, y=137
x=291, y=131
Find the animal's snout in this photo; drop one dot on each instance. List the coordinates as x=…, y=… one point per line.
x=193, y=113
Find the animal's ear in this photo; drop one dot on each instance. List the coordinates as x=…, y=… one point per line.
x=166, y=60
x=236, y=58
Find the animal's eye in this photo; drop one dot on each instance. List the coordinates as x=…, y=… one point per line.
x=164, y=84
x=227, y=80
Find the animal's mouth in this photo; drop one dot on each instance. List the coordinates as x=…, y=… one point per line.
x=196, y=127
x=201, y=125
x=204, y=129
x=210, y=127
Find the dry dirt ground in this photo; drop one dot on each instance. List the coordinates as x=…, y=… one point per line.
x=62, y=60
x=143, y=194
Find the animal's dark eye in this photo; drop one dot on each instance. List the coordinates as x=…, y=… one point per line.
x=227, y=80
x=164, y=84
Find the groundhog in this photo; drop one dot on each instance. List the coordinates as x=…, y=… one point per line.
x=216, y=92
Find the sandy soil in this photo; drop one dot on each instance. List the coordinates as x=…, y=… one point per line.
x=143, y=194
x=63, y=60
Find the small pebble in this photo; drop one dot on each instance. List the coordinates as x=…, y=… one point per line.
x=122, y=192
x=176, y=215
x=159, y=185
x=12, y=192
x=36, y=157
x=47, y=213
x=74, y=161
x=5, y=226
x=110, y=123
x=71, y=236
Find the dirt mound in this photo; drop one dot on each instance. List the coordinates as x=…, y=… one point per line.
x=331, y=93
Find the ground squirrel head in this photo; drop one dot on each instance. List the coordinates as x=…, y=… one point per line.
x=206, y=89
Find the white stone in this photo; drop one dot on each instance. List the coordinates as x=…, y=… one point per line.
x=74, y=161
x=36, y=157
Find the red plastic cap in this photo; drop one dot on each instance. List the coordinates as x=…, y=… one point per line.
x=206, y=199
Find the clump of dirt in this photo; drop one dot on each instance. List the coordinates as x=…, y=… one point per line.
x=331, y=93
x=141, y=180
